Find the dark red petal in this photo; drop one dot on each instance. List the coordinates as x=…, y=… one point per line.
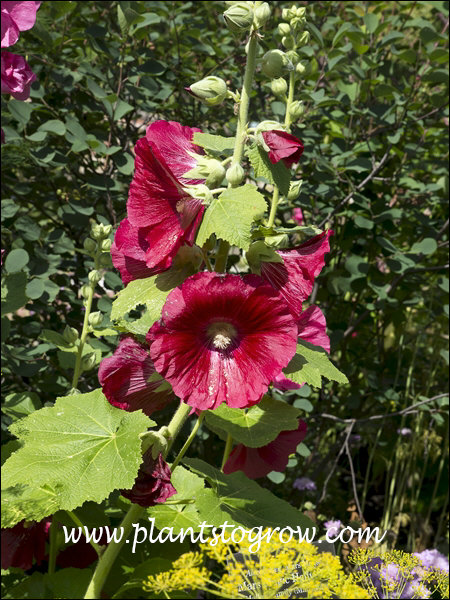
x=21, y=544
x=152, y=485
x=283, y=146
x=124, y=379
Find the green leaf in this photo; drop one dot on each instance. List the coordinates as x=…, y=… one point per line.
x=150, y=292
x=35, y=288
x=371, y=21
x=427, y=246
x=215, y=143
x=20, y=405
x=230, y=216
x=53, y=126
x=16, y=260
x=82, y=447
x=13, y=292
x=256, y=426
x=277, y=173
x=122, y=108
x=246, y=503
x=53, y=337
x=65, y=583
x=310, y=364
x=20, y=110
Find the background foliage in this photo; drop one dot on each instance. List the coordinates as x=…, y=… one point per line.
x=374, y=169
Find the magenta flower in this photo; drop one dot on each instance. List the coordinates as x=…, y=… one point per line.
x=124, y=378
x=297, y=215
x=157, y=202
x=17, y=76
x=283, y=146
x=258, y=462
x=222, y=338
x=152, y=485
x=294, y=278
x=312, y=328
x=24, y=543
x=17, y=17
x=128, y=252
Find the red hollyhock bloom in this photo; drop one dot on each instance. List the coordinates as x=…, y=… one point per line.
x=294, y=278
x=16, y=76
x=81, y=554
x=157, y=202
x=283, y=146
x=312, y=328
x=128, y=252
x=222, y=338
x=152, y=485
x=258, y=462
x=23, y=543
x=124, y=379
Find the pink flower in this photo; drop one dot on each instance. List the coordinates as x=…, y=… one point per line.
x=222, y=338
x=283, y=146
x=128, y=252
x=157, y=203
x=297, y=215
x=294, y=278
x=17, y=76
x=152, y=485
x=16, y=17
x=124, y=378
x=258, y=462
x=312, y=328
x=24, y=543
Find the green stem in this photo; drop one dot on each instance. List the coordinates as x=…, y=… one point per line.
x=274, y=206
x=222, y=257
x=188, y=442
x=227, y=451
x=133, y=515
x=290, y=99
x=79, y=524
x=53, y=548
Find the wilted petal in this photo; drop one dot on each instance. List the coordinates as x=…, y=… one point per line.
x=152, y=485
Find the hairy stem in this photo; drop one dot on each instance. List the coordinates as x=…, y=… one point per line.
x=227, y=451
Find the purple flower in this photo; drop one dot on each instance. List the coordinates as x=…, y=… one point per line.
x=433, y=558
x=404, y=431
x=393, y=582
x=333, y=527
x=304, y=483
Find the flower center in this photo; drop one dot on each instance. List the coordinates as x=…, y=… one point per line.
x=221, y=335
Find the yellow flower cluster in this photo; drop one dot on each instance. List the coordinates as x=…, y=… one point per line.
x=278, y=570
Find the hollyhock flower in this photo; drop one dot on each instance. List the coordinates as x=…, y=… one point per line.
x=81, y=554
x=312, y=328
x=152, y=485
x=128, y=252
x=294, y=277
x=297, y=215
x=17, y=17
x=222, y=338
x=17, y=76
x=433, y=558
x=124, y=378
x=283, y=146
x=333, y=527
x=23, y=544
x=304, y=483
x=157, y=202
x=258, y=462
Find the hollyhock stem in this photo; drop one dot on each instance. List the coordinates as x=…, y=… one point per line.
x=290, y=99
x=274, y=206
x=221, y=257
x=79, y=523
x=188, y=442
x=227, y=450
x=133, y=515
x=53, y=548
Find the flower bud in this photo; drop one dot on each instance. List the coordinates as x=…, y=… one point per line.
x=262, y=14
x=209, y=169
x=296, y=109
x=266, y=126
x=277, y=241
x=89, y=245
x=274, y=63
x=199, y=191
x=279, y=86
x=210, y=90
x=95, y=319
x=100, y=231
x=304, y=38
x=94, y=276
x=293, y=56
x=216, y=173
x=235, y=174
x=300, y=68
x=70, y=335
x=105, y=261
x=289, y=13
x=188, y=255
x=88, y=361
x=85, y=290
x=294, y=189
x=288, y=42
x=300, y=12
x=106, y=245
x=239, y=17
x=284, y=28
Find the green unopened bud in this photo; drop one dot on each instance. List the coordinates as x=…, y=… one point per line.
x=277, y=241
x=210, y=90
x=300, y=12
x=284, y=28
x=266, y=126
x=289, y=13
x=94, y=276
x=89, y=245
x=200, y=192
x=288, y=42
x=262, y=14
x=294, y=189
x=105, y=261
x=274, y=63
x=106, y=245
x=304, y=38
x=293, y=56
x=188, y=255
x=235, y=174
x=296, y=109
x=239, y=17
x=300, y=68
x=85, y=290
x=209, y=169
x=216, y=173
x=279, y=86
x=95, y=319
x=70, y=335
x=100, y=231
x=88, y=361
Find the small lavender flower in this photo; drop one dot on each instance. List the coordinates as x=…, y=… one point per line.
x=333, y=527
x=304, y=483
x=433, y=558
x=404, y=431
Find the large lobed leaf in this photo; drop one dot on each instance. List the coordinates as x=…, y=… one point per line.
x=310, y=363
